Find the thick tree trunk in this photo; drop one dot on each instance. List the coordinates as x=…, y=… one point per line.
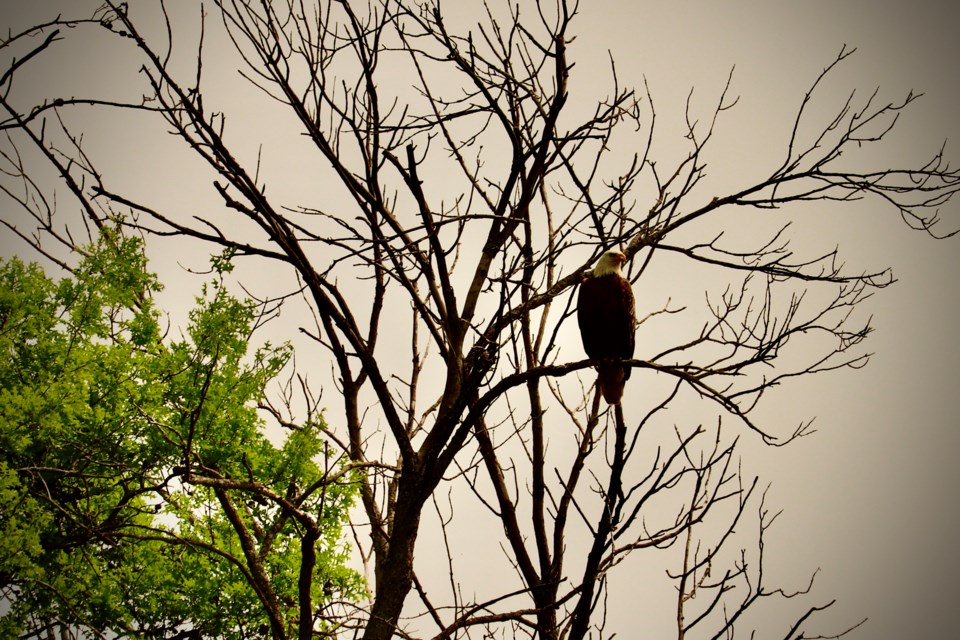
x=395, y=575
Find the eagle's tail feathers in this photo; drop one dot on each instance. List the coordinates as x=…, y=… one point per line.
x=610, y=379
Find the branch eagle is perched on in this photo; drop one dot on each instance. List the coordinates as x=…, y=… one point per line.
x=605, y=312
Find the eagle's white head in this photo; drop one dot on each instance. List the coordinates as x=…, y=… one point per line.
x=610, y=262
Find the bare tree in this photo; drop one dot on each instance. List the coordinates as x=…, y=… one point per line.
x=465, y=191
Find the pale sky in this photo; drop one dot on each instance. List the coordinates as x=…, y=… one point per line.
x=870, y=499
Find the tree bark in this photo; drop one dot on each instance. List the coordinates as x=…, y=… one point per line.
x=395, y=577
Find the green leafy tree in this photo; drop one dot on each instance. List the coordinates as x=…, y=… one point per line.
x=140, y=495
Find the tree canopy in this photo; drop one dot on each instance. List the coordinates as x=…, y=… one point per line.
x=140, y=495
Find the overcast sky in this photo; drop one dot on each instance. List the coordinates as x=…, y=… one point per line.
x=871, y=499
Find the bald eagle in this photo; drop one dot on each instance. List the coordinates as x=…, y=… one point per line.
x=605, y=312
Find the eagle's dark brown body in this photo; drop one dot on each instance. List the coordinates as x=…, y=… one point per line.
x=605, y=312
